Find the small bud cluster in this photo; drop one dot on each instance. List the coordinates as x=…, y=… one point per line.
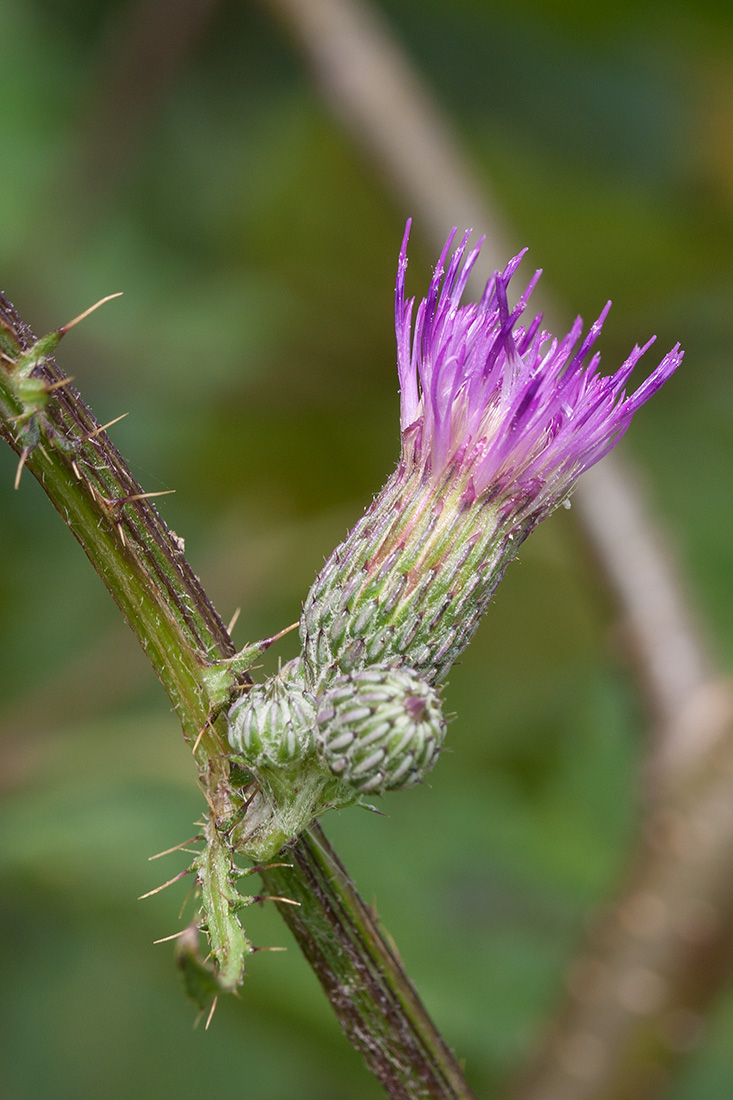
x=375, y=730
x=365, y=732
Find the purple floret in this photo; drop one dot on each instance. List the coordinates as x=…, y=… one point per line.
x=517, y=412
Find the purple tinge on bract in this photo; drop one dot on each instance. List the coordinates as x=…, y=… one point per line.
x=513, y=408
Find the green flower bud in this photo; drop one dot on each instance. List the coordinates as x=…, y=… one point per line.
x=272, y=725
x=380, y=728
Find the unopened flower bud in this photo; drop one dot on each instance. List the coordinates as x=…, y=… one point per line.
x=272, y=726
x=380, y=729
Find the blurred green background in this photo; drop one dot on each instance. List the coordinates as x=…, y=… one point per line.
x=254, y=352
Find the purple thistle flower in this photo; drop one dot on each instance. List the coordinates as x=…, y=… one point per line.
x=498, y=421
x=506, y=404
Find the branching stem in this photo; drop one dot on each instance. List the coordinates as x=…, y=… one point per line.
x=142, y=564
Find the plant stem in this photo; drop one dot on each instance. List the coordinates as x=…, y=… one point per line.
x=135, y=554
x=142, y=564
x=376, y=1004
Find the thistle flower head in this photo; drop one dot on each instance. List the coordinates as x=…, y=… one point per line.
x=513, y=411
x=498, y=420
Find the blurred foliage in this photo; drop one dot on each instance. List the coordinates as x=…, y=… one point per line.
x=253, y=350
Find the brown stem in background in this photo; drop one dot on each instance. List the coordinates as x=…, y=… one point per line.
x=375, y=91
x=670, y=655
x=640, y=993
x=655, y=963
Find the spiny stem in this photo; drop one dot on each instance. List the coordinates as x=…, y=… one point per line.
x=142, y=564
x=366, y=983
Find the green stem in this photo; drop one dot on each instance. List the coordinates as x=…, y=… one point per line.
x=123, y=536
x=374, y=999
x=142, y=565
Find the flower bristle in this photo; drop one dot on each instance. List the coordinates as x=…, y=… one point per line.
x=519, y=411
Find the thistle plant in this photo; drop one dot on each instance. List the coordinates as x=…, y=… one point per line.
x=498, y=421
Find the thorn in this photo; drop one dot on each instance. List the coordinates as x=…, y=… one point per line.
x=282, y=633
x=250, y=652
x=143, y=496
x=263, y=867
x=21, y=463
x=114, y=505
x=211, y=1012
x=121, y=533
x=248, y=802
x=176, y=847
x=373, y=809
x=59, y=385
x=176, y=878
x=70, y=324
x=175, y=936
x=75, y=468
x=254, y=950
x=202, y=731
x=103, y=427
x=233, y=620
x=274, y=897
